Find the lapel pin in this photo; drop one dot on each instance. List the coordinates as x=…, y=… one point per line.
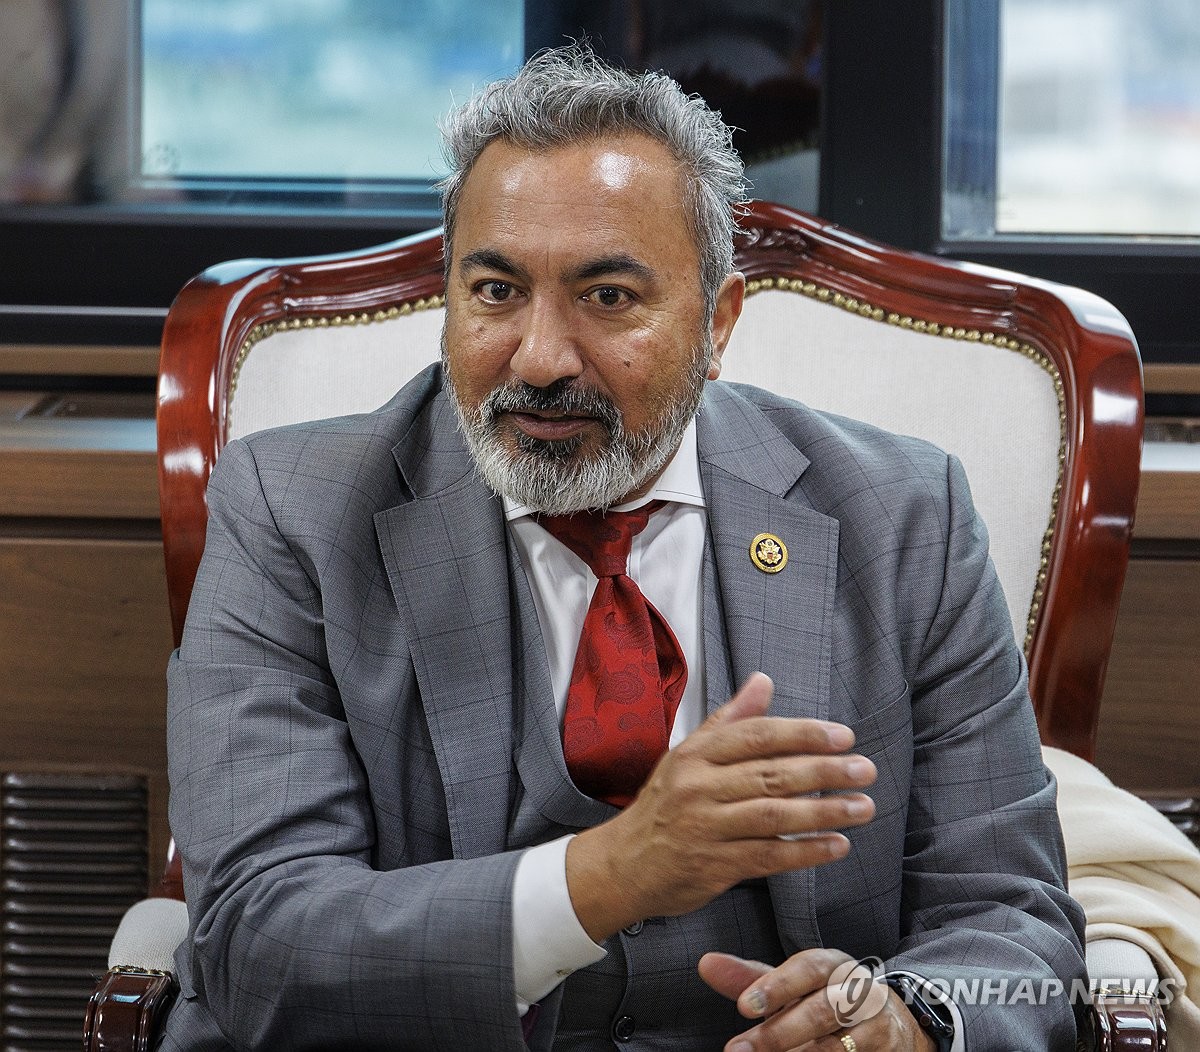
x=768, y=553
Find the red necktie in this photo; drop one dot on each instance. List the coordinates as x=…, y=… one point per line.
x=629, y=669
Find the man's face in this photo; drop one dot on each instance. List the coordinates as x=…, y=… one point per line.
x=575, y=334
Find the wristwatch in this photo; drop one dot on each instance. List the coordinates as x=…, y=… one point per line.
x=935, y=1020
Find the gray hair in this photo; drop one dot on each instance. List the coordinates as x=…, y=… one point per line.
x=567, y=95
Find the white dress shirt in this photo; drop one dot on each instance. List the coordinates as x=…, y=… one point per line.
x=666, y=560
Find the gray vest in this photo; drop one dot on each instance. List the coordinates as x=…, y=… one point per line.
x=645, y=994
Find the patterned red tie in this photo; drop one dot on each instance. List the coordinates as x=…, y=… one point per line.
x=629, y=669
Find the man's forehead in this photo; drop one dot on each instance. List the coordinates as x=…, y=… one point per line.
x=598, y=199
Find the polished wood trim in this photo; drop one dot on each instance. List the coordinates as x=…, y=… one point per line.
x=74, y=359
x=1172, y=379
x=1127, y=1023
x=127, y=1010
x=1087, y=340
x=170, y=885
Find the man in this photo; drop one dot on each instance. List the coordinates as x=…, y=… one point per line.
x=419, y=715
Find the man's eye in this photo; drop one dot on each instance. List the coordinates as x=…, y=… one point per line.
x=496, y=291
x=609, y=296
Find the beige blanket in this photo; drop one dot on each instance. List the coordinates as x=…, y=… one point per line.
x=1137, y=878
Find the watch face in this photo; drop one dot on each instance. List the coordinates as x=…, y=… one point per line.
x=933, y=1018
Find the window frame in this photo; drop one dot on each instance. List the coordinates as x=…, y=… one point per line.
x=882, y=168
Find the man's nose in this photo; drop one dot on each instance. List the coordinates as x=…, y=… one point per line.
x=549, y=348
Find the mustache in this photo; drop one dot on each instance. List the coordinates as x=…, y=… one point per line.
x=564, y=396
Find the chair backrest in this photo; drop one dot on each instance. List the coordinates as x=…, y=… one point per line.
x=1036, y=387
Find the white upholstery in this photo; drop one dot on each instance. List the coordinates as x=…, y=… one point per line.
x=992, y=407
x=314, y=373
x=1120, y=964
x=148, y=935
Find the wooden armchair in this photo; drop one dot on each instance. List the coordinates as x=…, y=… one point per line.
x=1035, y=386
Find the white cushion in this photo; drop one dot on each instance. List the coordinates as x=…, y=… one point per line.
x=994, y=408
x=1120, y=964
x=148, y=935
x=324, y=371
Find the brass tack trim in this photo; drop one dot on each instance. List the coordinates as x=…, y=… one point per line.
x=994, y=339
x=269, y=328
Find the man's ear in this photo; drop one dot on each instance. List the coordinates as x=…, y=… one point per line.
x=725, y=315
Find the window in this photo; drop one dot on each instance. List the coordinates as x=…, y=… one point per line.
x=141, y=142
x=1053, y=137
x=1096, y=119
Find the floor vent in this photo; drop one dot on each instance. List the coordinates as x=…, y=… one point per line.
x=72, y=860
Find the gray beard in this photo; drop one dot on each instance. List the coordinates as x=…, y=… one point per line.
x=557, y=477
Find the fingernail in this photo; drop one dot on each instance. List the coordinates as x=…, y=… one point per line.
x=857, y=808
x=742, y=1046
x=756, y=1003
x=860, y=767
x=838, y=736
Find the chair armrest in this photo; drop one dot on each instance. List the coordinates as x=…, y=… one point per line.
x=130, y=1002
x=148, y=935
x=1128, y=1022
x=127, y=1009
x=1124, y=983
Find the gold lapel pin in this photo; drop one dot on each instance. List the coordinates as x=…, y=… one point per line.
x=768, y=553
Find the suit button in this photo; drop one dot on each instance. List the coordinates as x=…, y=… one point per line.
x=623, y=1028
x=634, y=929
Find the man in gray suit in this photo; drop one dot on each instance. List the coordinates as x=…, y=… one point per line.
x=385, y=841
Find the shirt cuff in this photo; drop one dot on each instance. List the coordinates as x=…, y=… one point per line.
x=933, y=995
x=549, y=943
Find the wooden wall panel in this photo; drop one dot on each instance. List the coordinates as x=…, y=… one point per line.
x=1150, y=717
x=84, y=642
x=56, y=359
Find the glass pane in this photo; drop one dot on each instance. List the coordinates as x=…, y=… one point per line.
x=240, y=101
x=1096, y=110
x=315, y=90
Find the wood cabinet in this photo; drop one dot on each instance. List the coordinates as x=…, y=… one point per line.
x=1150, y=716
x=84, y=640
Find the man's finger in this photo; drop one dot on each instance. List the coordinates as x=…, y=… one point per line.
x=790, y=775
x=800, y=975
x=752, y=700
x=730, y=975
x=751, y=738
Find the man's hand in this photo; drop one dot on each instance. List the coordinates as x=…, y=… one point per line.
x=796, y=1003
x=713, y=811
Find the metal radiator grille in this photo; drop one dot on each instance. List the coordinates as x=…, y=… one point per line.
x=72, y=860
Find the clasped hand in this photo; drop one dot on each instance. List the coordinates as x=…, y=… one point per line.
x=797, y=1002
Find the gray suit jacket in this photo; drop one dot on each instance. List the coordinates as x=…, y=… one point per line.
x=341, y=714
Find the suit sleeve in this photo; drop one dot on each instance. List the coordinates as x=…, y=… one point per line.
x=296, y=941
x=985, y=908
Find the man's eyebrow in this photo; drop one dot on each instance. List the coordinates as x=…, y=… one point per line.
x=489, y=259
x=617, y=263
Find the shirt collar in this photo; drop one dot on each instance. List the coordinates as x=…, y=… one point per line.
x=679, y=481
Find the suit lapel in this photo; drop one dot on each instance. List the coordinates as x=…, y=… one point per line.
x=781, y=623
x=444, y=551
